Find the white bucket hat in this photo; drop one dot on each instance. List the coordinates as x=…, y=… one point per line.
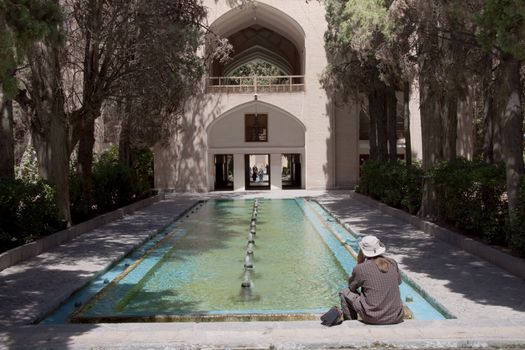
x=371, y=246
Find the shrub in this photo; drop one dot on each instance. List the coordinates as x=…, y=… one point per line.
x=142, y=167
x=393, y=183
x=470, y=196
x=113, y=184
x=28, y=212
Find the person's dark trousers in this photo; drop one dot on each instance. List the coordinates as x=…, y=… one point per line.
x=347, y=304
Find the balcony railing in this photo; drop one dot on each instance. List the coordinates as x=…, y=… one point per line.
x=255, y=84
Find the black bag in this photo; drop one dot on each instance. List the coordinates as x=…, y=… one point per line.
x=332, y=317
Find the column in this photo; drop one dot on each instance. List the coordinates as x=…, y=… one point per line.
x=275, y=171
x=238, y=172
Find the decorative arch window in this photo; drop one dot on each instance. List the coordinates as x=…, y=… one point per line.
x=256, y=127
x=257, y=67
x=266, y=72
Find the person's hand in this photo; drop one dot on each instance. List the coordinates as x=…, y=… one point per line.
x=360, y=257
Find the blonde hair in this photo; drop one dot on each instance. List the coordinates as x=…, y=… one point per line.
x=382, y=263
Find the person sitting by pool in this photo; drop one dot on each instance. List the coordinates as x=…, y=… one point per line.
x=378, y=301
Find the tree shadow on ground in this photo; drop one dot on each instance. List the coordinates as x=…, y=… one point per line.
x=474, y=278
x=34, y=288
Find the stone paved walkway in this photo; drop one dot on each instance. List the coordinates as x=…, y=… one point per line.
x=30, y=290
x=489, y=303
x=469, y=287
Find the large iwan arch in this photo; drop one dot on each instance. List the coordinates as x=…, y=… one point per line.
x=260, y=31
x=301, y=137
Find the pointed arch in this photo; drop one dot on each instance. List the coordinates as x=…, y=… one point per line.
x=261, y=30
x=261, y=107
x=264, y=15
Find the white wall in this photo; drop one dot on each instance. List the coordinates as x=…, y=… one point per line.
x=189, y=148
x=283, y=130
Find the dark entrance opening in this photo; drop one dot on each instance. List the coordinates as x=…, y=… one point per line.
x=224, y=172
x=257, y=169
x=291, y=171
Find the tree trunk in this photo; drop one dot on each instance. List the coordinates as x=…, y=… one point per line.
x=488, y=111
x=392, y=123
x=431, y=137
x=430, y=110
x=382, y=123
x=488, y=121
x=406, y=123
x=85, y=157
x=92, y=103
x=7, y=144
x=124, y=146
x=499, y=101
x=49, y=122
x=512, y=131
x=450, y=128
x=372, y=129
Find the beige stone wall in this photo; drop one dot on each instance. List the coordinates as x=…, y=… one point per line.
x=346, y=133
x=185, y=162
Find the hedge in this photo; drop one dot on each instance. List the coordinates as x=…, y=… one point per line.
x=392, y=183
x=113, y=184
x=27, y=211
x=470, y=196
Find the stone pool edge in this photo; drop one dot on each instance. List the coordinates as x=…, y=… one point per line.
x=453, y=334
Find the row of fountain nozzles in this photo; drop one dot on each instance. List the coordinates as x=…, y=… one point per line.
x=248, y=259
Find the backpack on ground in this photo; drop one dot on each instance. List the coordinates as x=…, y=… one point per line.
x=332, y=317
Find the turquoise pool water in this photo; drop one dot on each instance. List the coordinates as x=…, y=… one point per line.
x=301, y=259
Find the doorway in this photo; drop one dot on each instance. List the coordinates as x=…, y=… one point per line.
x=291, y=171
x=257, y=171
x=223, y=172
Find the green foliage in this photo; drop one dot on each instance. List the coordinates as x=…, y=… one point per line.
x=363, y=20
x=392, y=183
x=502, y=25
x=113, y=184
x=32, y=20
x=470, y=196
x=142, y=171
x=257, y=67
x=28, y=212
x=21, y=23
x=358, y=31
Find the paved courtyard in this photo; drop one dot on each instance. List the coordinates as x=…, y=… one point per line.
x=488, y=302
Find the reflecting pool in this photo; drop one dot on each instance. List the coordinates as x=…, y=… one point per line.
x=232, y=260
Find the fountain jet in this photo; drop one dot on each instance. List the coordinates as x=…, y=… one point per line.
x=246, y=281
x=248, y=262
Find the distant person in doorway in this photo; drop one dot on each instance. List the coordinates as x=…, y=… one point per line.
x=254, y=173
x=261, y=174
x=373, y=288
